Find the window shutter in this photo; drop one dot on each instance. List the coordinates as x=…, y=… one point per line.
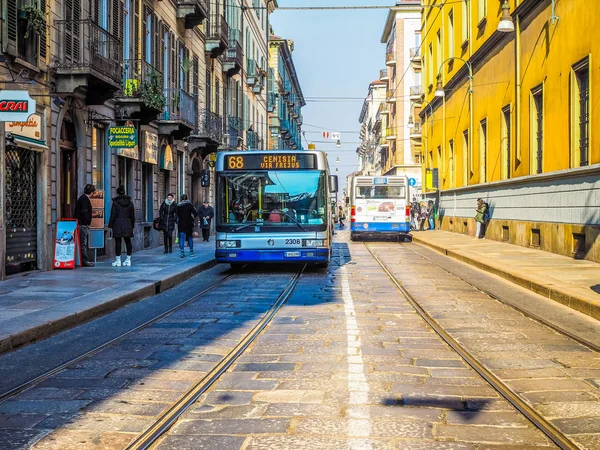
x=144, y=36
x=196, y=77
x=11, y=26
x=208, y=91
x=43, y=35
x=161, y=47
x=72, y=33
x=118, y=15
x=96, y=11
x=155, y=42
x=174, y=75
x=135, y=27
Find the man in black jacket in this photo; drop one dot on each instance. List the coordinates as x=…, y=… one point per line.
x=206, y=214
x=83, y=214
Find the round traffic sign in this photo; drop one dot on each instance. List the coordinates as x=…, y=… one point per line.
x=412, y=182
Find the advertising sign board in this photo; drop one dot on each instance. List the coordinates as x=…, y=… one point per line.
x=124, y=139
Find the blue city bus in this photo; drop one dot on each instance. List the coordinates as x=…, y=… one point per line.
x=380, y=206
x=273, y=207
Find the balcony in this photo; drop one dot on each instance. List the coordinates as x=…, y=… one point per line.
x=383, y=142
x=415, y=131
x=271, y=102
x=90, y=59
x=285, y=127
x=286, y=88
x=415, y=54
x=390, y=59
x=235, y=132
x=142, y=93
x=258, y=87
x=383, y=75
x=180, y=114
x=217, y=35
x=252, y=140
x=234, y=56
x=415, y=92
x=390, y=96
x=252, y=72
x=192, y=12
x=300, y=119
x=383, y=109
x=390, y=134
x=208, y=134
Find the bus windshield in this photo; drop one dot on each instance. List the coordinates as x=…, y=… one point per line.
x=380, y=192
x=279, y=199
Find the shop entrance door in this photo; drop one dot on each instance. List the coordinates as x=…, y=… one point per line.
x=68, y=165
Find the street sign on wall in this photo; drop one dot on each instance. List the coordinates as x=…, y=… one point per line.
x=124, y=139
x=30, y=128
x=150, y=147
x=16, y=106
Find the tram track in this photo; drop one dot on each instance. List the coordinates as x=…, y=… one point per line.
x=166, y=420
x=555, y=435
x=49, y=373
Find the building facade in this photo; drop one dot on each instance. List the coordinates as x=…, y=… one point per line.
x=372, y=127
x=402, y=36
x=285, y=100
x=174, y=73
x=509, y=117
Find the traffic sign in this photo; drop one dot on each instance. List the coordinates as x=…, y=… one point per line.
x=326, y=134
x=335, y=136
x=412, y=182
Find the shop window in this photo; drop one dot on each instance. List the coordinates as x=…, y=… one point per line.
x=125, y=173
x=98, y=158
x=147, y=184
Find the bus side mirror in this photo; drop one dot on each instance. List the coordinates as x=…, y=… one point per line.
x=333, y=183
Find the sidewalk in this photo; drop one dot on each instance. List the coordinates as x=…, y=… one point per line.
x=42, y=304
x=574, y=283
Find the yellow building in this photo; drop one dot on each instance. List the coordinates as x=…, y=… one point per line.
x=519, y=132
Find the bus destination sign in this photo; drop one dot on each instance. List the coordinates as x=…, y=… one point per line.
x=274, y=161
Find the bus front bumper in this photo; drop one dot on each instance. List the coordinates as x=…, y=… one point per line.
x=286, y=256
x=380, y=227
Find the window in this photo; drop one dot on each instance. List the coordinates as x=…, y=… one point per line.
x=465, y=21
x=34, y=46
x=467, y=157
x=505, y=142
x=430, y=66
x=451, y=33
x=537, y=129
x=580, y=114
x=451, y=163
x=438, y=59
x=483, y=151
x=98, y=158
x=147, y=185
x=481, y=10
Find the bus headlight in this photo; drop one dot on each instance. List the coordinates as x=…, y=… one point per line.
x=228, y=244
x=314, y=242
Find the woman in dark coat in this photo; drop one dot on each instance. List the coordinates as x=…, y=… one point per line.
x=122, y=220
x=168, y=219
x=186, y=219
x=205, y=213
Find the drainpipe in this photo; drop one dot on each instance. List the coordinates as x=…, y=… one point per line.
x=518, y=89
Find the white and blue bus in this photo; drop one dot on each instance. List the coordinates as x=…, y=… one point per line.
x=273, y=207
x=379, y=206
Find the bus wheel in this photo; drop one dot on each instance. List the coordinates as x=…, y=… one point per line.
x=322, y=265
x=235, y=267
x=353, y=236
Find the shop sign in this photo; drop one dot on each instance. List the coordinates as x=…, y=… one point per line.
x=166, y=162
x=31, y=128
x=16, y=106
x=150, y=147
x=124, y=139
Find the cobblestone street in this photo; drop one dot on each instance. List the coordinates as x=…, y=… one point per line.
x=345, y=363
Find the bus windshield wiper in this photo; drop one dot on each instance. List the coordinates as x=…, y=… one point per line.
x=290, y=217
x=246, y=225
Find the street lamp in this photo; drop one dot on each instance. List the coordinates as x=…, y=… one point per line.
x=439, y=92
x=506, y=24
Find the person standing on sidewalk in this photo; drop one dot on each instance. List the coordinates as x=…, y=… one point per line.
x=431, y=214
x=168, y=219
x=83, y=214
x=122, y=220
x=186, y=219
x=414, y=214
x=341, y=216
x=205, y=213
x=481, y=215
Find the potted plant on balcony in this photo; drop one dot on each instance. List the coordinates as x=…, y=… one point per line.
x=36, y=20
x=152, y=93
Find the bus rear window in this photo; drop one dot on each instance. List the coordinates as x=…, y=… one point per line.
x=380, y=192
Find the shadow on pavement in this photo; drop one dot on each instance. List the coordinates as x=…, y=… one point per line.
x=469, y=406
x=596, y=288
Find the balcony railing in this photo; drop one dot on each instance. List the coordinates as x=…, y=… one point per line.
x=271, y=101
x=390, y=133
x=300, y=119
x=217, y=34
x=210, y=126
x=390, y=58
x=251, y=71
x=415, y=53
x=285, y=126
x=235, y=131
x=234, y=55
x=415, y=131
x=192, y=11
x=139, y=80
x=180, y=106
x=390, y=96
x=287, y=87
x=383, y=75
x=86, y=47
x=415, y=91
x=252, y=140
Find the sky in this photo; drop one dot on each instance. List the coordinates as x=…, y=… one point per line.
x=336, y=54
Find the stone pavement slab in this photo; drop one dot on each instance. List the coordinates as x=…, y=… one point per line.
x=571, y=282
x=41, y=304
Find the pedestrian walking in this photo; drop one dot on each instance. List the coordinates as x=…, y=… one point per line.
x=423, y=216
x=168, y=219
x=341, y=216
x=482, y=218
x=83, y=214
x=415, y=209
x=186, y=219
x=206, y=214
x=122, y=220
x=431, y=214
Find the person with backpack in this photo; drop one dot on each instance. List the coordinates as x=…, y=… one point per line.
x=414, y=214
x=482, y=218
x=341, y=216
